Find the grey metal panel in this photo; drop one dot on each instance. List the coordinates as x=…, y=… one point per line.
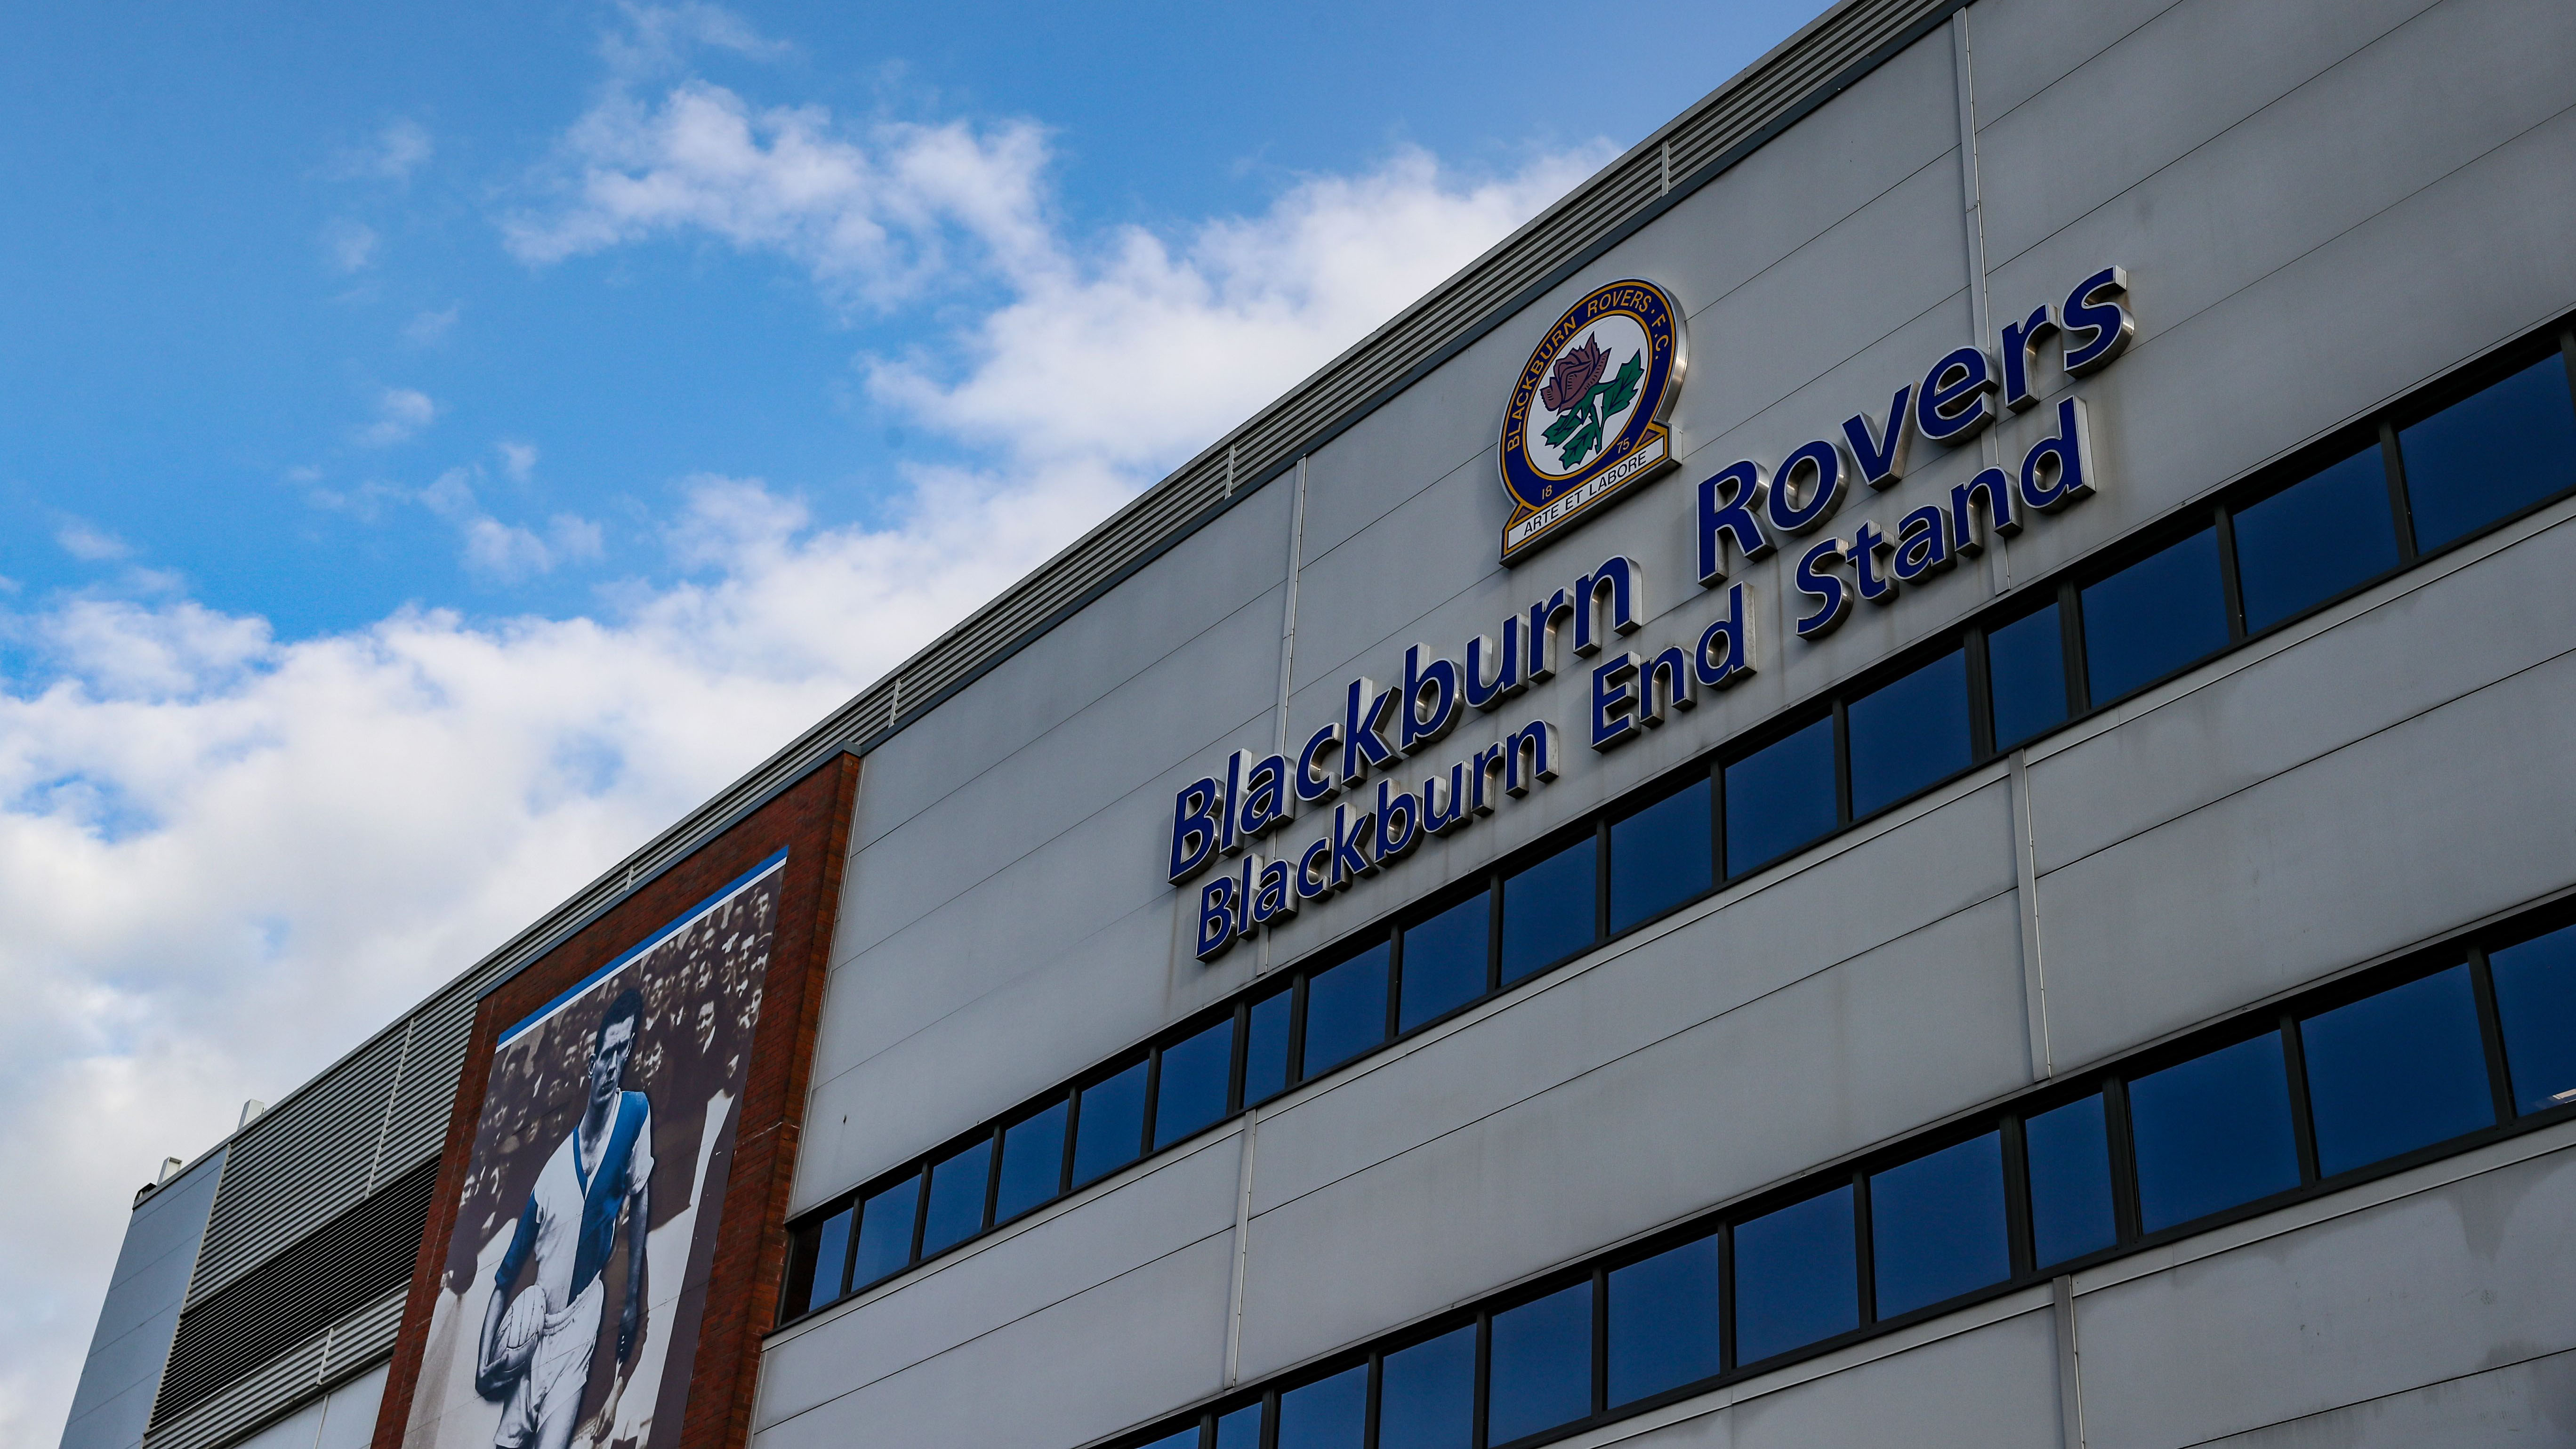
x=1135, y=1346
x=113, y=1400
x=2513, y=1407
x=2419, y=1291
x=2023, y=47
x=1179, y=1203
x=1991, y=1388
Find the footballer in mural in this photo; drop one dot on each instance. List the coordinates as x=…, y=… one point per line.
x=568, y=1306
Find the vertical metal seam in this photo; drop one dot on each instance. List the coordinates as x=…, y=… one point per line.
x=1242, y=1254
x=2034, y=974
x=393, y=1099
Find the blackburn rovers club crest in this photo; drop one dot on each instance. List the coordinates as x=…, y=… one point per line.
x=1586, y=420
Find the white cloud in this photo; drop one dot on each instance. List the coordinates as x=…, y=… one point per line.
x=349, y=245
x=89, y=543
x=430, y=326
x=392, y=154
x=202, y=826
x=518, y=459
x=401, y=413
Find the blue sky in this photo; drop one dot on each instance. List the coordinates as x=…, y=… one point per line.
x=440, y=445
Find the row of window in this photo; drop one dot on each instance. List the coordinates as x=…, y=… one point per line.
x=2360, y=1078
x=2483, y=447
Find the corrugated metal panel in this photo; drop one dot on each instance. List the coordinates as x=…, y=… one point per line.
x=348, y=1348
x=305, y=1161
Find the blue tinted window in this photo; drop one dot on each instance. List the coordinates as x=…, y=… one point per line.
x=1936, y=1226
x=1663, y=1321
x=2070, y=1181
x=957, y=1197
x=1345, y=1010
x=1660, y=856
x=1186, y=1439
x=1444, y=961
x=2490, y=454
x=1032, y=1163
x=2396, y=1071
x=2154, y=617
x=831, y=1257
x=1541, y=1374
x=1796, y=1277
x=885, y=1232
x=1109, y=1130
x=1548, y=909
x=1330, y=1413
x=1240, y=1429
x=1908, y=733
x=2535, y=986
x=1780, y=797
x=2315, y=539
x=2213, y=1132
x=2026, y=667
x=1190, y=1092
x=1265, y=1049
x=1426, y=1396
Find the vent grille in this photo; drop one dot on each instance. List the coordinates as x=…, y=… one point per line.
x=293, y=1300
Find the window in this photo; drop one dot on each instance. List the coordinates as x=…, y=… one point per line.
x=1548, y=909
x=1779, y=797
x=1345, y=1011
x=1189, y=1086
x=956, y=1210
x=1663, y=1319
x=1908, y=733
x=2069, y=1149
x=1109, y=1131
x=1186, y=1439
x=885, y=1232
x=2026, y=670
x=2490, y=454
x=1444, y=961
x=2314, y=539
x=2213, y=1132
x=1541, y=1373
x=2154, y=617
x=1240, y=1429
x=2396, y=1071
x=2535, y=988
x=1937, y=1226
x=1032, y=1163
x=1426, y=1396
x=1330, y=1413
x=827, y=1273
x=1796, y=1277
x=1265, y=1050
x=1660, y=856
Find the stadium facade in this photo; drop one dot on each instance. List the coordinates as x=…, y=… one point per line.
x=1901, y=776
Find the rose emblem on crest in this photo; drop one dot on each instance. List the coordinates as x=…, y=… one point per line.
x=1581, y=400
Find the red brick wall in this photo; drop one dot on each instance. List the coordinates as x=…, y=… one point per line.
x=812, y=820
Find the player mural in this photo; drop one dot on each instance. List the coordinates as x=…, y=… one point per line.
x=568, y=1308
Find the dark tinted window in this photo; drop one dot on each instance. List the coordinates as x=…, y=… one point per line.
x=1660, y=856
x=2070, y=1181
x=831, y=1257
x=2213, y=1132
x=1796, y=1278
x=2490, y=454
x=1330, y=1413
x=1190, y=1092
x=1426, y=1397
x=2026, y=664
x=885, y=1232
x=1032, y=1162
x=2154, y=617
x=1444, y=961
x=2315, y=539
x=1109, y=1131
x=1936, y=1225
x=1780, y=797
x=1541, y=1374
x=1663, y=1321
x=1186, y=1439
x=1908, y=733
x=1265, y=1050
x=1240, y=1429
x=1345, y=1010
x=1548, y=909
x=2396, y=1071
x=2535, y=986
x=957, y=1197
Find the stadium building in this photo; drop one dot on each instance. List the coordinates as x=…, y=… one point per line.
x=1901, y=777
